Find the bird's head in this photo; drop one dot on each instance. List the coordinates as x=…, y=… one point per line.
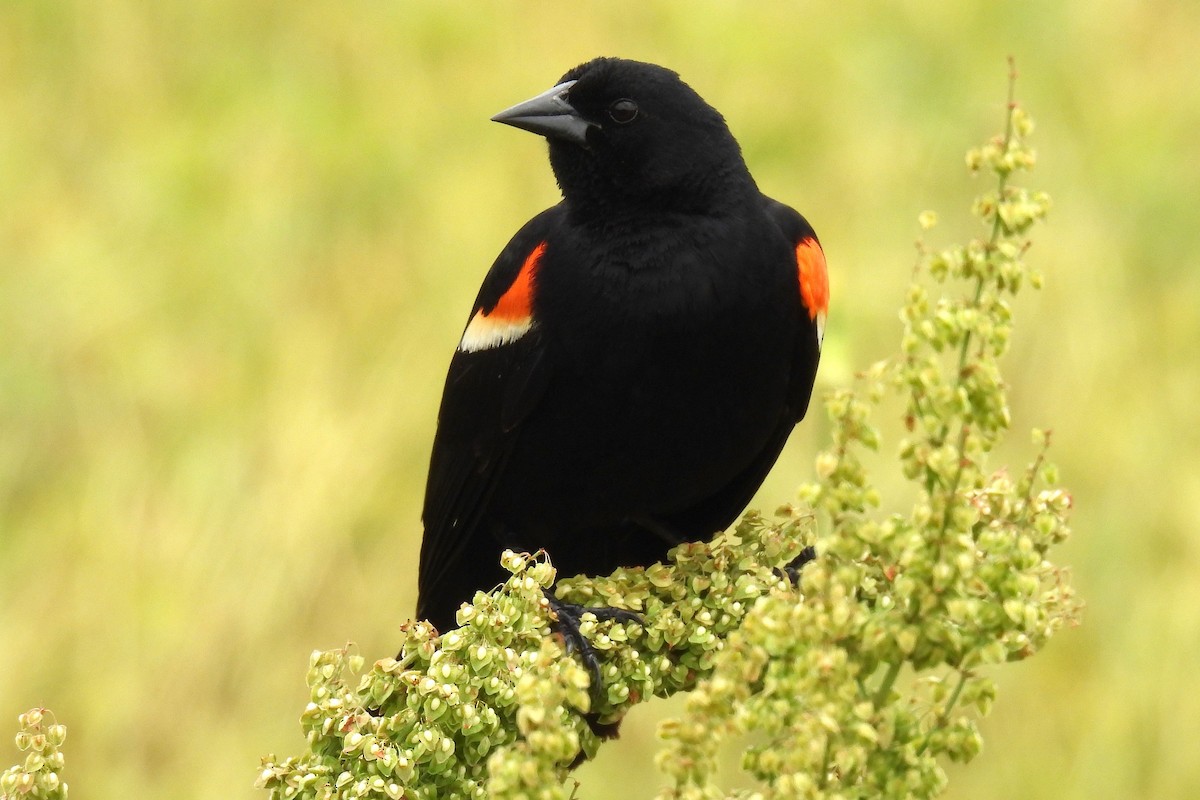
x=630, y=136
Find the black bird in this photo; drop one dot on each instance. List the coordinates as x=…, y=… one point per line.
x=637, y=354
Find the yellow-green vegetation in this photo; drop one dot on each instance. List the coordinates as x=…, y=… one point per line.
x=237, y=245
x=38, y=776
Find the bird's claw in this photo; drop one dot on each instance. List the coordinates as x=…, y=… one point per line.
x=567, y=619
x=791, y=570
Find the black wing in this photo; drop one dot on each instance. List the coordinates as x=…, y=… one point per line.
x=496, y=378
x=719, y=510
x=813, y=290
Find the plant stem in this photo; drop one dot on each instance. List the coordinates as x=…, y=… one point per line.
x=885, y=686
x=962, y=681
x=997, y=229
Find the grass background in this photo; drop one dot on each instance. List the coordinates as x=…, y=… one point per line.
x=238, y=241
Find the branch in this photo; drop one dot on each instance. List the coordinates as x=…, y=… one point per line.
x=495, y=708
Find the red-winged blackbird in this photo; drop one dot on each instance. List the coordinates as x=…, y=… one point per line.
x=637, y=355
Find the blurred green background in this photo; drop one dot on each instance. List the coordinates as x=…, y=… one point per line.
x=238, y=241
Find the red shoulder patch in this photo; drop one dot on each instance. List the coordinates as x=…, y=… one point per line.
x=517, y=301
x=512, y=315
x=814, y=282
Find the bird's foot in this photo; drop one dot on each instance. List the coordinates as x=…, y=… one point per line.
x=792, y=570
x=568, y=617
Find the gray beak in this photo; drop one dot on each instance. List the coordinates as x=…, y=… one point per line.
x=548, y=114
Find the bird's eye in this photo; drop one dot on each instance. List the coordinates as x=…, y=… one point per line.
x=623, y=111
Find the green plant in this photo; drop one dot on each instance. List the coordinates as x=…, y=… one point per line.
x=39, y=777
